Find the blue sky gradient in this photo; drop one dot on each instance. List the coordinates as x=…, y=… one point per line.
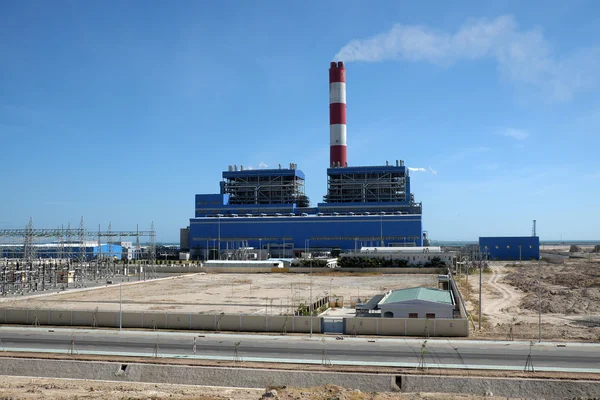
x=122, y=111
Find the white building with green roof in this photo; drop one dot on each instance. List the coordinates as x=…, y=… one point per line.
x=418, y=302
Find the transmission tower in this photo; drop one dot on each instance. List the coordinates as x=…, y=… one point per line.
x=152, y=251
x=109, y=239
x=69, y=239
x=99, y=255
x=82, y=248
x=60, y=251
x=28, y=247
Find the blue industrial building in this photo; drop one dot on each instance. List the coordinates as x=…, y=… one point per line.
x=510, y=248
x=65, y=250
x=268, y=209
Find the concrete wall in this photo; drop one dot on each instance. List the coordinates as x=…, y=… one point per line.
x=263, y=378
x=406, y=327
x=234, y=323
x=161, y=320
x=403, y=308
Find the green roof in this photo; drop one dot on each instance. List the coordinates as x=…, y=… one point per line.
x=419, y=293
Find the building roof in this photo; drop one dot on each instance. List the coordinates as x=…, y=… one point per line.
x=418, y=293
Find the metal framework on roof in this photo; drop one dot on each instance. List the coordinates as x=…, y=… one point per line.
x=367, y=186
x=265, y=187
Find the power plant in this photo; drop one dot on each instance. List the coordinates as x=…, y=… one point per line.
x=268, y=209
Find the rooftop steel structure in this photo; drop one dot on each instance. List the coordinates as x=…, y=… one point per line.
x=264, y=186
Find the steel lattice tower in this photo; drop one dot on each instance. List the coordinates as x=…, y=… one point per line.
x=82, y=249
x=152, y=251
x=28, y=247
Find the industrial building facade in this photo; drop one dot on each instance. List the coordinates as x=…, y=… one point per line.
x=66, y=250
x=508, y=248
x=268, y=208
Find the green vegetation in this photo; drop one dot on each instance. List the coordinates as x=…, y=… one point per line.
x=371, y=262
x=318, y=263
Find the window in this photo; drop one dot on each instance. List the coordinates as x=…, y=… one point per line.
x=413, y=315
x=508, y=247
x=497, y=247
x=430, y=315
x=388, y=314
x=531, y=247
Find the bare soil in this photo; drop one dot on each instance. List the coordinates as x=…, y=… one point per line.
x=230, y=293
x=570, y=305
x=23, y=388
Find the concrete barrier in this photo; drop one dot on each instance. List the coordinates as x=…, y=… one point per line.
x=203, y=322
x=420, y=327
x=263, y=378
x=234, y=322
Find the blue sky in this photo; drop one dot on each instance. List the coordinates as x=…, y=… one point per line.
x=122, y=111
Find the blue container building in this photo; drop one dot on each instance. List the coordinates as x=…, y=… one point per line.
x=514, y=248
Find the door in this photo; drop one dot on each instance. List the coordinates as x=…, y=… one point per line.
x=333, y=325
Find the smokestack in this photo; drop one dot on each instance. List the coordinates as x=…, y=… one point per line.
x=337, y=115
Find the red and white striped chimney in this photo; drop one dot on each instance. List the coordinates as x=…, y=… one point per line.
x=337, y=115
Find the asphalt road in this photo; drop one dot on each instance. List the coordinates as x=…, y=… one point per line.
x=352, y=351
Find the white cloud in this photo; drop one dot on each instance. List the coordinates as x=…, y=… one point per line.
x=523, y=57
x=419, y=169
x=517, y=134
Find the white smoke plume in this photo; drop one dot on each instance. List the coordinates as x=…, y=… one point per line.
x=522, y=56
x=420, y=169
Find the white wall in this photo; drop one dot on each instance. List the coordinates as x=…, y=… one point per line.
x=401, y=309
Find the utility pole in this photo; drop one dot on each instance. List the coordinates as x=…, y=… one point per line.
x=467, y=283
x=311, y=302
x=540, y=301
x=480, y=286
x=120, y=306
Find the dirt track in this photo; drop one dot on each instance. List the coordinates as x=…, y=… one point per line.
x=570, y=301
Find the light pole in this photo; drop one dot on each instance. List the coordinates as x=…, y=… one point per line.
x=120, y=305
x=260, y=248
x=381, y=228
x=480, y=285
x=540, y=301
x=219, y=234
x=520, y=259
x=311, y=303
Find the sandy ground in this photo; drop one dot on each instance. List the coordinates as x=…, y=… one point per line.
x=53, y=389
x=229, y=293
x=570, y=295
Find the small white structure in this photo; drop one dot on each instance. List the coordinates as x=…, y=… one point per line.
x=245, y=263
x=419, y=302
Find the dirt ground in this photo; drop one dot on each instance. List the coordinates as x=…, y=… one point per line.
x=23, y=388
x=570, y=295
x=229, y=293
